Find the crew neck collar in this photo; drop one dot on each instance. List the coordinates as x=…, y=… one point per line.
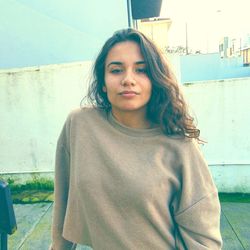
x=137, y=132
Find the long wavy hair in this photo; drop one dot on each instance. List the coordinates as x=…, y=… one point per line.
x=166, y=106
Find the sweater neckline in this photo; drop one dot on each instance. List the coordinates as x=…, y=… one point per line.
x=137, y=132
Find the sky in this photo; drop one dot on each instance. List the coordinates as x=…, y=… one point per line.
x=207, y=21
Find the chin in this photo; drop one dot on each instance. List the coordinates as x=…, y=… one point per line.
x=131, y=109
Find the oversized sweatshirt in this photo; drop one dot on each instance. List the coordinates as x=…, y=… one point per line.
x=120, y=188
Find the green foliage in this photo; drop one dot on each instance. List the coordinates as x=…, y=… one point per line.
x=36, y=183
x=32, y=196
x=234, y=197
x=36, y=189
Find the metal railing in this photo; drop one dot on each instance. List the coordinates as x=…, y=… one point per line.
x=7, y=215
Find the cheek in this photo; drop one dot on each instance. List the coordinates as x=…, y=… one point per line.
x=110, y=90
x=149, y=89
x=111, y=85
x=109, y=82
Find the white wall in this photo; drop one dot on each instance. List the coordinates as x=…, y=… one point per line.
x=222, y=110
x=35, y=102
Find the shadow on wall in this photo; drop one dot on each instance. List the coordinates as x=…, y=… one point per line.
x=202, y=67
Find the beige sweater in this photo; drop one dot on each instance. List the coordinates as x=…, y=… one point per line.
x=118, y=188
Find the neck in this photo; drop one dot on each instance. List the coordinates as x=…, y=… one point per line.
x=132, y=119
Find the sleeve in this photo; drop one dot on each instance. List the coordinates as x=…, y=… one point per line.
x=61, y=186
x=197, y=211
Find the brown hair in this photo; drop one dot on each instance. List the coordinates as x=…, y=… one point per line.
x=166, y=106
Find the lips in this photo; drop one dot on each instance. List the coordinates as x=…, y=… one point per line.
x=128, y=92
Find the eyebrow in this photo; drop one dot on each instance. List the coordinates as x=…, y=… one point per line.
x=120, y=63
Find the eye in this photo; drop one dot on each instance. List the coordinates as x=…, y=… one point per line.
x=116, y=71
x=141, y=70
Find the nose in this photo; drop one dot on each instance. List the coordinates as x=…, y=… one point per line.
x=128, y=79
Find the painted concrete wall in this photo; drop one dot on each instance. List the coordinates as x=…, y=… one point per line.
x=222, y=111
x=59, y=31
x=35, y=103
x=204, y=67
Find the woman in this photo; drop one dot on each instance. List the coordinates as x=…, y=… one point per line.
x=129, y=174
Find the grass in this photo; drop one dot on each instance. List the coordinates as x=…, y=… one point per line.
x=32, y=191
x=41, y=190
x=234, y=197
x=32, y=196
x=33, y=184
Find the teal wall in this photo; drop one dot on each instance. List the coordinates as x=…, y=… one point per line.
x=202, y=67
x=59, y=31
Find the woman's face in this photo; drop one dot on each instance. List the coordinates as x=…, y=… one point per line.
x=127, y=84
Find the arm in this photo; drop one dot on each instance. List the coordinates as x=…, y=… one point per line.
x=62, y=172
x=197, y=210
x=199, y=226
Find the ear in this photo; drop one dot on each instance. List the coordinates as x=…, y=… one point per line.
x=104, y=89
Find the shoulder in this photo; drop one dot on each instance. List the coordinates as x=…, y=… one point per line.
x=191, y=160
x=186, y=152
x=84, y=121
x=85, y=114
x=188, y=146
x=181, y=145
x=189, y=149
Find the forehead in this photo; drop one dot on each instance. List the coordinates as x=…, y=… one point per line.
x=125, y=51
